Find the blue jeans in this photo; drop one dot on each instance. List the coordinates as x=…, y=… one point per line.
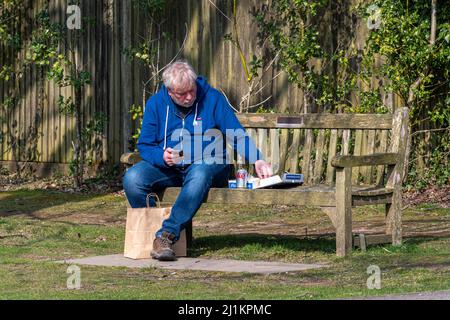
x=195, y=180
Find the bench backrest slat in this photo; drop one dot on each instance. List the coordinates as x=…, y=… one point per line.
x=307, y=143
x=316, y=121
x=310, y=151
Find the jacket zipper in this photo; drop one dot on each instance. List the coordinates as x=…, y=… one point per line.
x=181, y=134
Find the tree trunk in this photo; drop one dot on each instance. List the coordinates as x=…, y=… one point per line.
x=423, y=146
x=418, y=81
x=433, y=22
x=78, y=146
x=126, y=79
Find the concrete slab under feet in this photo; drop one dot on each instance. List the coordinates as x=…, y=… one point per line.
x=263, y=267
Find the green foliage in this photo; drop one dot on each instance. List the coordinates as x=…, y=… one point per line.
x=66, y=106
x=10, y=17
x=56, y=71
x=403, y=41
x=419, y=73
x=95, y=126
x=285, y=24
x=397, y=50
x=286, y=28
x=144, y=53
x=370, y=102
x=151, y=7
x=137, y=113
x=6, y=73
x=54, y=48
x=262, y=109
x=73, y=166
x=438, y=171
x=48, y=40
x=44, y=43
x=80, y=79
x=255, y=64
x=9, y=102
x=147, y=51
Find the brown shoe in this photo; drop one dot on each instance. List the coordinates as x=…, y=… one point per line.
x=163, y=247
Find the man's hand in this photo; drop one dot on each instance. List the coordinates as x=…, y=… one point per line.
x=263, y=169
x=172, y=157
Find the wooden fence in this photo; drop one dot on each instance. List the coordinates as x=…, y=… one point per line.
x=118, y=83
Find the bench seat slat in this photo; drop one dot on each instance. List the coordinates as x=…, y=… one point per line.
x=310, y=195
x=318, y=195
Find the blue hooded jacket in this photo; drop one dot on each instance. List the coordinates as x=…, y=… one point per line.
x=202, y=134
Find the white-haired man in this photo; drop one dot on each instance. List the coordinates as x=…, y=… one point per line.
x=175, y=144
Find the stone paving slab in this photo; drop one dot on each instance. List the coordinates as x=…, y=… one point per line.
x=263, y=267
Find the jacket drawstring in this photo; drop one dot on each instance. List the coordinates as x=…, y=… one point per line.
x=165, y=128
x=194, y=123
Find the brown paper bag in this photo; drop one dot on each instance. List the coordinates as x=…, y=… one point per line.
x=141, y=226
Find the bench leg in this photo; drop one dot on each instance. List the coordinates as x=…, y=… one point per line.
x=189, y=234
x=343, y=211
x=394, y=218
x=331, y=213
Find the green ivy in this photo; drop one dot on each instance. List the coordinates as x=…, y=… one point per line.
x=137, y=113
x=52, y=48
x=419, y=73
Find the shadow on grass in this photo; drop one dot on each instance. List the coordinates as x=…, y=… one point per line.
x=202, y=245
x=325, y=244
x=28, y=202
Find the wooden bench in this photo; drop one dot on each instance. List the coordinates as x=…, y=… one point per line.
x=347, y=160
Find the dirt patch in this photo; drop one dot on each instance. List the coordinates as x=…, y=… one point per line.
x=101, y=185
x=431, y=266
x=100, y=218
x=436, y=195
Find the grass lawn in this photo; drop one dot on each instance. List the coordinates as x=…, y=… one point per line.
x=39, y=227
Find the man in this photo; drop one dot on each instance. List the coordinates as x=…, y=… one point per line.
x=175, y=144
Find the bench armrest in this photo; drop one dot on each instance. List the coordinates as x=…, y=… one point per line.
x=130, y=158
x=366, y=160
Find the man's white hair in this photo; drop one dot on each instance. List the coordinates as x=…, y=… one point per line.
x=179, y=74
